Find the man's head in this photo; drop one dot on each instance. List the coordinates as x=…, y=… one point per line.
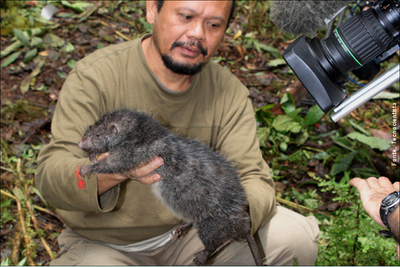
x=188, y=33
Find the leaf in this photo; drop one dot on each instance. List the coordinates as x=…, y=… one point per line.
x=21, y=37
x=294, y=127
x=5, y=203
x=30, y=55
x=276, y=62
x=342, y=163
x=281, y=122
x=272, y=50
x=69, y=47
x=53, y=40
x=34, y=189
x=372, y=142
x=287, y=102
x=27, y=81
x=386, y=95
x=302, y=138
x=78, y=7
x=36, y=41
x=10, y=59
x=314, y=115
x=71, y=63
x=12, y=47
x=262, y=135
x=358, y=127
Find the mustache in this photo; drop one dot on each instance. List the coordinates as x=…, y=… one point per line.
x=203, y=50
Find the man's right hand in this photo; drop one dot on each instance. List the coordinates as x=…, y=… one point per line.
x=142, y=174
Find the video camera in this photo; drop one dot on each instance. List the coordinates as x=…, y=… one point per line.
x=323, y=65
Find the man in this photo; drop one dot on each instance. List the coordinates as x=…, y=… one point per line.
x=113, y=219
x=372, y=192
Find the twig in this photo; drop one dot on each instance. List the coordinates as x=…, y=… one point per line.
x=16, y=244
x=22, y=222
x=35, y=225
x=294, y=205
x=35, y=206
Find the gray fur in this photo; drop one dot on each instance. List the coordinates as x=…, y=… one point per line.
x=199, y=185
x=303, y=16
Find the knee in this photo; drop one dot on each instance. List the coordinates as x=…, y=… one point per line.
x=290, y=238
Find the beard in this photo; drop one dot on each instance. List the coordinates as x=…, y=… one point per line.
x=179, y=67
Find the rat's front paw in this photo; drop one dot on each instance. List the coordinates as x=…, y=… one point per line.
x=84, y=170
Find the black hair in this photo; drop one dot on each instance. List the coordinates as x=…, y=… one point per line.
x=160, y=3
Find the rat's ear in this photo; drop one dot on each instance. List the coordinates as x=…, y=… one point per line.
x=114, y=129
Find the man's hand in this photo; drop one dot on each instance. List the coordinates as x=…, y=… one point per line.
x=372, y=192
x=142, y=174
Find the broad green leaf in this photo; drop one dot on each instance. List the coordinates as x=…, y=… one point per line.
x=343, y=142
x=373, y=142
x=71, y=63
x=5, y=203
x=12, y=47
x=36, y=41
x=302, y=138
x=314, y=115
x=30, y=55
x=287, y=102
x=294, y=127
x=53, y=40
x=21, y=37
x=11, y=59
x=262, y=134
x=283, y=147
x=272, y=50
x=78, y=6
x=342, y=163
x=281, y=122
x=69, y=47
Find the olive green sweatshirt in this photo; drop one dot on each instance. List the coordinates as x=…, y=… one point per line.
x=215, y=109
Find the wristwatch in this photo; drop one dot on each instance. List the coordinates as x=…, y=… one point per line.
x=388, y=205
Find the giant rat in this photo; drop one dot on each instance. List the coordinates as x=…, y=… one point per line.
x=197, y=184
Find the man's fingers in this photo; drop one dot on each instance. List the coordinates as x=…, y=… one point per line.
x=149, y=179
x=373, y=182
x=360, y=184
x=385, y=182
x=147, y=169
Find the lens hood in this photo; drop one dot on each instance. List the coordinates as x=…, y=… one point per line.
x=305, y=64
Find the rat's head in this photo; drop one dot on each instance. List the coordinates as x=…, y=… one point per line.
x=107, y=132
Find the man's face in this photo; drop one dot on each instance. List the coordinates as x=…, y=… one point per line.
x=188, y=33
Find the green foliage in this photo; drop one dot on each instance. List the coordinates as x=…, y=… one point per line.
x=352, y=238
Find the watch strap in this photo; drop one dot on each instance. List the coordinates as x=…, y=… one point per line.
x=387, y=208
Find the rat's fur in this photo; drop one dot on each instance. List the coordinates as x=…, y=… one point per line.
x=199, y=185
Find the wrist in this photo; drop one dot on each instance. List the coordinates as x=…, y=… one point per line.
x=389, y=210
x=394, y=224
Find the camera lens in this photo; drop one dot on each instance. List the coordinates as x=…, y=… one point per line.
x=323, y=65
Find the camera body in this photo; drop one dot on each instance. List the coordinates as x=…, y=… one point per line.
x=323, y=65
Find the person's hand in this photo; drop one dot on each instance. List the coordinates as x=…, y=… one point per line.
x=143, y=174
x=372, y=192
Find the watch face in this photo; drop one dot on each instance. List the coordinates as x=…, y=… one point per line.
x=391, y=199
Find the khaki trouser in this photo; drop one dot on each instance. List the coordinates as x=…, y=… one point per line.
x=286, y=239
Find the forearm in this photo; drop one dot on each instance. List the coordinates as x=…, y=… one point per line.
x=394, y=223
x=107, y=181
